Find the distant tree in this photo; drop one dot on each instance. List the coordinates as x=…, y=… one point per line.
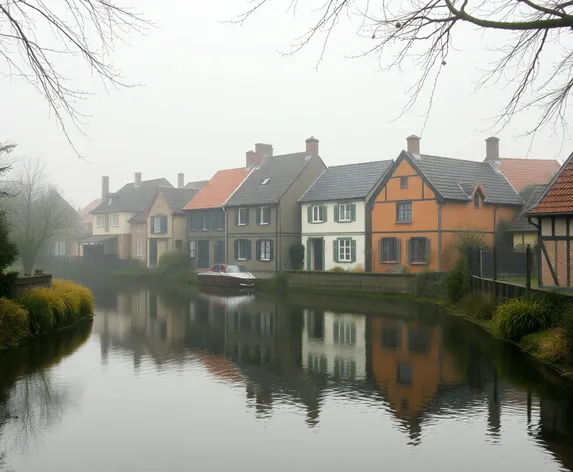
x=37, y=213
x=35, y=35
x=8, y=251
x=529, y=34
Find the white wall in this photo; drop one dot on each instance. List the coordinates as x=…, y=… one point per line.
x=329, y=251
x=314, y=349
x=123, y=220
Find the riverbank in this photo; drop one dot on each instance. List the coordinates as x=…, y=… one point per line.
x=43, y=310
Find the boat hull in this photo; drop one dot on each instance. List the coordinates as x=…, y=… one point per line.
x=224, y=280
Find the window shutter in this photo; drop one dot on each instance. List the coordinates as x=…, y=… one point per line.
x=247, y=211
x=324, y=213
x=307, y=251
x=352, y=250
x=163, y=224
x=152, y=222
x=309, y=213
x=409, y=250
x=398, y=249
x=258, y=249
x=269, y=213
x=272, y=248
x=381, y=250
x=353, y=212
x=428, y=250
x=335, y=251
x=258, y=210
x=336, y=213
x=248, y=243
x=236, y=248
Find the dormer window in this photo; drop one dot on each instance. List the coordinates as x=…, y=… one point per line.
x=476, y=200
x=266, y=181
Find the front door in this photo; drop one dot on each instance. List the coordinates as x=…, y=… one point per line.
x=220, y=252
x=153, y=252
x=203, y=254
x=317, y=254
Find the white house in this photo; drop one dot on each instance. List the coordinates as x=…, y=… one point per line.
x=336, y=211
x=334, y=344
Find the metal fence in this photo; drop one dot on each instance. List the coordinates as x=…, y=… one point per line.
x=504, y=263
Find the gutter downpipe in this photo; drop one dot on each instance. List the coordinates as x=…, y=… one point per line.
x=494, y=275
x=226, y=242
x=277, y=236
x=440, y=235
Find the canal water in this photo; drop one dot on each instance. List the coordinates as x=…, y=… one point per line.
x=228, y=381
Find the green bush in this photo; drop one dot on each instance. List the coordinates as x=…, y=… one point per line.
x=8, y=250
x=457, y=282
x=337, y=269
x=13, y=323
x=40, y=313
x=296, y=255
x=282, y=282
x=78, y=300
x=479, y=306
x=557, y=306
x=568, y=325
x=171, y=262
x=521, y=316
x=7, y=281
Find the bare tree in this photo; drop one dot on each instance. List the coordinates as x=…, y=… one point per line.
x=37, y=213
x=35, y=34
x=533, y=53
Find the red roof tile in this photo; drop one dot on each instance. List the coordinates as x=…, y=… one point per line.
x=87, y=217
x=216, y=192
x=559, y=196
x=523, y=172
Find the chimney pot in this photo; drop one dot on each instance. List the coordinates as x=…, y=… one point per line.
x=413, y=144
x=105, y=189
x=180, y=180
x=312, y=146
x=492, y=149
x=137, y=179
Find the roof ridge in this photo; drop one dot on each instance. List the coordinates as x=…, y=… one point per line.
x=359, y=163
x=528, y=159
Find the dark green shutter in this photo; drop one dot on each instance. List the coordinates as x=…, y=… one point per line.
x=272, y=248
x=336, y=213
x=428, y=250
x=352, y=250
x=309, y=213
x=324, y=213
x=258, y=210
x=353, y=212
x=248, y=243
x=269, y=213
x=409, y=250
x=335, y=251
x=381, y=250
x=258, y=249
x=307, y=253
x=236, y=247
x=236, y=217
x=398, y=249
x=247, y=211
x=323, y=254
x=163, y=224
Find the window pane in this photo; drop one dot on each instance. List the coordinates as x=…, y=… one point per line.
x=419, y=249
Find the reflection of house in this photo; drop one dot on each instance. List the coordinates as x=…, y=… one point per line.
x=334, y=344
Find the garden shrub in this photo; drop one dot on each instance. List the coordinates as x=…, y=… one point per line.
x=296, y=256
x=358, y=268
x=77, y=299
x=568, y=325
x=457, y=282
x=13, y=323
x=520, y=316
x=337, y=269
x=172, y=262
x=479, y=306
x=7, y=281
x=556, y=304
x=39, y=311
x=549, y=346
x=281, y=282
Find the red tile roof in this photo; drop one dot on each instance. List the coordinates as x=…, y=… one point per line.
x=558, y=197
x=523, y=172
x=216, y=192
x=87, y=217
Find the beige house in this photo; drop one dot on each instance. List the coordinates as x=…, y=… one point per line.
x=166, y=223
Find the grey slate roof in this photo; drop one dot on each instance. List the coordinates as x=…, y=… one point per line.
x=521, y=223
x=178, y=197
x=132, y=198
x=446, y=175
x=139, y=218
x=281, y=171
x=346, y=182
x=196, y=185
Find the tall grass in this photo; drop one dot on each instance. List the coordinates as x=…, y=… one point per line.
x=457, y=282
x=13, y=323
x=479, y=306
x=521, y=316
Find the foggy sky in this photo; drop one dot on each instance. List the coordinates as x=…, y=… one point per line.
x=212, y=89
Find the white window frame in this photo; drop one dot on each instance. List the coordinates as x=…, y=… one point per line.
x=239, y=219
x=141, y=228
x=317, y=214
x=99, y=221
x=205, y=219
x=193, y=248
x=265, y=248
x=266, y=323
x=114, y=220
x=139, y=249
x=242, y=248
x=345, y=250
x=262, y=214
x=219, y=222
x=345, y=333
x=345, y=212
x=60, y=248
x=156, y=224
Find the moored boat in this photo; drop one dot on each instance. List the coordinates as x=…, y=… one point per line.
x=223, y=275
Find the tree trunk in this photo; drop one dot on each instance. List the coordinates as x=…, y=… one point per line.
x=28, y=263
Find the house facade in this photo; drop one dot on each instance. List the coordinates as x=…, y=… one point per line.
x=166, y=222
x=553, y=217
x=425, y=201
x=336, y=216
x=263, y=214
x=112, y=228
x=206, y=221
x=523, y=233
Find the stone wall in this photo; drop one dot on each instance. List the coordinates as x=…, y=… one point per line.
x=427, y=284
x=31, y=281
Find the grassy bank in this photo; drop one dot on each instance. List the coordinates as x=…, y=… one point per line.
x=43, y=310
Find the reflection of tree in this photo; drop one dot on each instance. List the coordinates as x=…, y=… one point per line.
x=29, y=401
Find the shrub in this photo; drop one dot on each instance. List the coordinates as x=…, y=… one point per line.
x=358, y=268
x=557, y=305
x=337, y=269
x=568, y=324
x=14, y=325
x=282, y=282
x=464, y=240
x=171, y=262
x=8, y=250
x=479, y=306
x=296, y=256
x=75, y=297
x=520, y=316
x=40, y=313
x=7, y=281
x=457, y=282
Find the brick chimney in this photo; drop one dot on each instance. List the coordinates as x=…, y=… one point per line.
x=180, y=180
x=105, y=189
x=252, y=159
x=264, y=150
x=413, y=143
x=137, y=180
x=492, y=149
x=312, y=146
